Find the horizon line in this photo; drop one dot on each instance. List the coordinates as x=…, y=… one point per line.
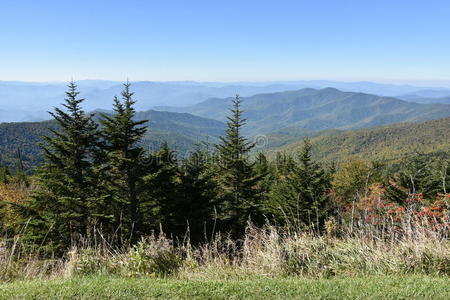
x=397, y=82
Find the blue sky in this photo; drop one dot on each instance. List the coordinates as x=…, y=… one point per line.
x=225, y=40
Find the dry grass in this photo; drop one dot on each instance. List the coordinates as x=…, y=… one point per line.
x=408, y=248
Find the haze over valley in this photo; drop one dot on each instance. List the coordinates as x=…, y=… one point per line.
x=28, y=101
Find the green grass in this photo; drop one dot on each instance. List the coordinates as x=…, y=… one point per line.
x=102, y=287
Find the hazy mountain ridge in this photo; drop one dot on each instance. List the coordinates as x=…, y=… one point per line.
x=30, y=101
x=444, y=100
x=317, y=110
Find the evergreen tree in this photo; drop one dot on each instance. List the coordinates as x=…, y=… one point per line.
x=238, y=197
x=284, y=164
x=314, y=185
x=418, y=175
x=300, y=196
x=198, y=192
x=266, y=173
x=125, y=167
x=162, y=205
x=62, y=207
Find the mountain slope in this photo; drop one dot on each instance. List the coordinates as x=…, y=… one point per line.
x=391, y=142
x=181, y=131
x=317, y=110
x=21, y=140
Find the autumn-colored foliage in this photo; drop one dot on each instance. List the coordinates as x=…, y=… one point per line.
x=376, y=209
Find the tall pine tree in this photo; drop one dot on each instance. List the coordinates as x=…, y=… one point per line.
x=299, y=196
x=163, y=192
x=63, y=207
x=197, y=193
x=418, y=174
x=238, y=196
x=125, y=167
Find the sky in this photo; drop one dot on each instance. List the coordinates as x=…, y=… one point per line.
x=166, y=40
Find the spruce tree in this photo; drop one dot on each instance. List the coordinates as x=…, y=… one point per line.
x=284, y=164
x=163, y=195
x=417, y=175
x=62, y=208
x=314, y=184
x=238, y=197
x=299, y=197
x=198, y=190
x=125, y=167
x=265, y=171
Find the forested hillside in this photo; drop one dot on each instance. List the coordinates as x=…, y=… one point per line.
x=317, y=110
x=391, y=142
x=19, y=142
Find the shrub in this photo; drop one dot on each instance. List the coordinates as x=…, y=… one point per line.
x=153, y=256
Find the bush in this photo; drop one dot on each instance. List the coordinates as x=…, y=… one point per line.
x=153, y=256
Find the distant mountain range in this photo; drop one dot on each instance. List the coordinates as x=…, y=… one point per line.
x=443, y=100
x=284, y=117
x=422, y=94
x=316, y=110
x=25, y=101
x=31, y=101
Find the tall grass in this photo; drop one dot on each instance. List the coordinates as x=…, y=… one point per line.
x=410, y=247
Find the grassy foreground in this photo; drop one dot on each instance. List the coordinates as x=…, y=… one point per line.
x=107, y=287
